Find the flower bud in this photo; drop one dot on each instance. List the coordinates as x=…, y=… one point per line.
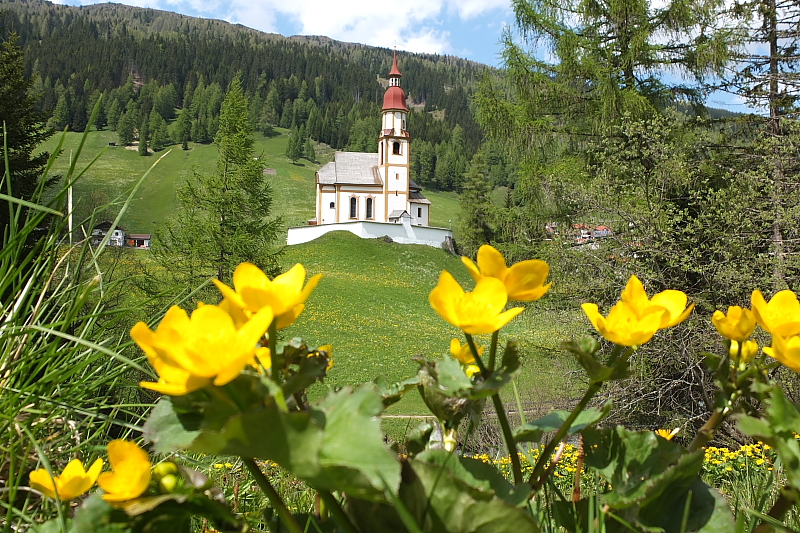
x=167, y=483
x=164, y=469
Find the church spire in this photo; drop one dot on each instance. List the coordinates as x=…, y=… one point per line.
x=395, y=97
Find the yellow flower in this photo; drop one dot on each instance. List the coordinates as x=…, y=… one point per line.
x=674, y=302
x=781, y=316
x=131, y=472
x=623, y=325
x=667, y=434
x=476, y=312
x=463, y=353
x=471, y=370
x=189, y=353
x=738, y=325
x=787, y=351
x=524, y=281
x=254, y=291
x=72, y=482
x=749, y=351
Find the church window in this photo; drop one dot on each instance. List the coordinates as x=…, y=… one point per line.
x=396, y=148
x=397, y=175
x=370, y=214
x=332, y=205
x=419, y=212
x=404, y=124
x=353, y=207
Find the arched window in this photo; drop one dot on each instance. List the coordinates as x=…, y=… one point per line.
x=353, y=207
x=396, y=148
x=333, y=205
x=370, y=214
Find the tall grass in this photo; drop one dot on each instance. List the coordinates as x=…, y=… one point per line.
x=62, y=368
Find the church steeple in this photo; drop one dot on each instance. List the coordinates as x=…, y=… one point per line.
x=393, y=146
x=395, y=97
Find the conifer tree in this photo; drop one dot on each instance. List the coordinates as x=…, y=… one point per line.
x=294, y=148
x=25, y=128
x=144, y=134
x=309, y=151
x=476, y=207
x=224, y=218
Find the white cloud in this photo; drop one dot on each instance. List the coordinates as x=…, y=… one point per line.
x=413, y=25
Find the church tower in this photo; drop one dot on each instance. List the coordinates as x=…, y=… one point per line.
x=393, y=147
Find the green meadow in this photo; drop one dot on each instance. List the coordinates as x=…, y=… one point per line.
x=372, y=302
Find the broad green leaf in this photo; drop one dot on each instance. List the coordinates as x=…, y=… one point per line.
x=336, y=446
x=638, y=465
x=585, y=351
x=478, y=475
x=533, y=431
x=708, y=510
x=440, y=502
x=391, y=394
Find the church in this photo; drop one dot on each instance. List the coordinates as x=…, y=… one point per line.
x=372, y=194
x=377, y=187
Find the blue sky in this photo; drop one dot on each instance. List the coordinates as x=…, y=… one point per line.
x=464, y=28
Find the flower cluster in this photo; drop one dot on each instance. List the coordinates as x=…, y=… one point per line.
x=636, y=318
x=129, y=478
x=217, y=343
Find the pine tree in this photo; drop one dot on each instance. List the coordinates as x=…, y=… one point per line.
x=294, y=148
x=144, y=134
x=125, y=128
x=476, y=207
x=309, y=151
x=60, y=118
x=114, y=112
x=25, y=128
x=223, y=219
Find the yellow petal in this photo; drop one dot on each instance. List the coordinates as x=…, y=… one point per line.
x=675, y=304
x=40, y=480
x=472, y=268
x=787, y=351
x=634, y=295
x=131, y=472
x=491, y=262
x=525, y=280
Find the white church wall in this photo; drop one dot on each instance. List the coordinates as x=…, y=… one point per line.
x=404, y=234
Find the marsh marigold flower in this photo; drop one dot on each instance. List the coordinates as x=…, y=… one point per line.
x=674, y=302
x=462, y=353
x=254, y=291
x=73, y=481
x=524, y=281
x=785, y=350
x=190, y=353
x=749, y=351
x=737, y=325
x=781, y=316
x=131, y=472
x=666, y=434
x=623, y=325
x=477, y=312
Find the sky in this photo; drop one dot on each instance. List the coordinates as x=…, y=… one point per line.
x=464, y=28
x=470, y=29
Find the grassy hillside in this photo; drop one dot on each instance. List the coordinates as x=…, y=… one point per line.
x=372, y=306
x=119, y=168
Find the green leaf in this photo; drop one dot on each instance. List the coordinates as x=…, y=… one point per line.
x=478, y=475
x=533, y=431
x=170, y=431
x=440, y=502
x=585, y=351
x=639, y=465
x=391, y=394
x=708, y=512
x=336, y=446
x=417, y=439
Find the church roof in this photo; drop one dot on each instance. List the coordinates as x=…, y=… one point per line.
x=415, y=197
x=395, y=98
x=352, y=168
x=395, y=72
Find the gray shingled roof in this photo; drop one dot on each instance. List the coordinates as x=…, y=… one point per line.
x=352, y=168
x=418, y=198
x=397, y=213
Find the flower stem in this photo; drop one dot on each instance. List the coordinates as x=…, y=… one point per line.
x=502, y=419
x=277, y=374
x=537, y=477
x=332, y=504
x=493, y=351
x=273, y=496
x=784, y=502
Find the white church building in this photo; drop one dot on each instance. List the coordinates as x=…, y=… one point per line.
x=372, y=194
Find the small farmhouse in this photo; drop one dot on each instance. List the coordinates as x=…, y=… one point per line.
x=372, y=194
